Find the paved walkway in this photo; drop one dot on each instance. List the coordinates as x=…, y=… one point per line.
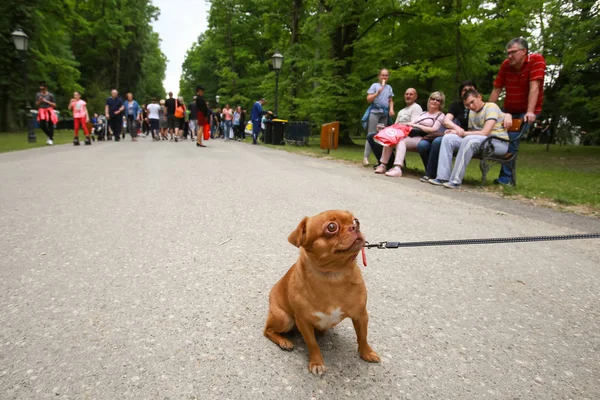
x=142, y=270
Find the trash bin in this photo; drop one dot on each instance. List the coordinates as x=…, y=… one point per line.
x=278, y=131
x=268, y=136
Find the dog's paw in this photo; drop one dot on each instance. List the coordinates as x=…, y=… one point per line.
x=316, y=368
x=286, y=345
x=370, y=356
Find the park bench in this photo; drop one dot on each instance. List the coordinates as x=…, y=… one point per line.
x=297, y=133
x=487, y=157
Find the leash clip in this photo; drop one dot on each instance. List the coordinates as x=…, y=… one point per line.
x=380, y=245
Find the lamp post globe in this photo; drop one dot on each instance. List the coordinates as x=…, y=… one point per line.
x=277, y=60
x=21, y=41
x=217, y=98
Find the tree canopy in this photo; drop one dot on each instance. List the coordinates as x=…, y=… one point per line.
x=334, y=49
x=90, y=46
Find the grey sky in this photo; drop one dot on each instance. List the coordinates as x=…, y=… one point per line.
x=179, y=25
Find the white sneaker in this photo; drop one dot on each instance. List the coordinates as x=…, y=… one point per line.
x=49, y=142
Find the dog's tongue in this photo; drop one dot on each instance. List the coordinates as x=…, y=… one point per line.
x=364, y=256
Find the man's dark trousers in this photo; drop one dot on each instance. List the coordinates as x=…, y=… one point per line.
x=116, y=124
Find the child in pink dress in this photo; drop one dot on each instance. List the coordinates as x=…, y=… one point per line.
x=80, y=118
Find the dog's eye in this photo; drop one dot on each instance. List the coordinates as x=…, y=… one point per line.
x=332, y=227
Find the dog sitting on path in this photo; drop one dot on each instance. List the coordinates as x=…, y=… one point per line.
x=323, y=287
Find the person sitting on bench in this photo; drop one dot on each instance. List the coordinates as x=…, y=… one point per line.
x=484, y=119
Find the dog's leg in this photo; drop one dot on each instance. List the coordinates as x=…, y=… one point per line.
x=360, y=326
x=315, y=359
x=278, y=322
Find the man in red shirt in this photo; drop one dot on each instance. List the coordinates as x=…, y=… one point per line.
x=522, y=77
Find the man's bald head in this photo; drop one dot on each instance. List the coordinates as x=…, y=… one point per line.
x=410, y=96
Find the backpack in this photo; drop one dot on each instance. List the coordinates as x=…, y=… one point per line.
x=178, y=111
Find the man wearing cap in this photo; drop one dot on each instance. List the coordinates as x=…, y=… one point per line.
x=256, y=116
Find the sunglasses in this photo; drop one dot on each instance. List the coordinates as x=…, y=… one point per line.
x=435, y=99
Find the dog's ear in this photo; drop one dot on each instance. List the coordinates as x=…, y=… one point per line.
x=298, y=236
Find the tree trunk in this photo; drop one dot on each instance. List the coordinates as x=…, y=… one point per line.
x=342, y=49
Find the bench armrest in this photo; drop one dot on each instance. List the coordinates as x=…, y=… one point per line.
x=487, y=146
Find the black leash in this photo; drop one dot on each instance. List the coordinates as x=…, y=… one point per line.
x=462, y=242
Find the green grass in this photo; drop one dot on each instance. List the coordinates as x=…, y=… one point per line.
x=566, y=175
x=18, y=141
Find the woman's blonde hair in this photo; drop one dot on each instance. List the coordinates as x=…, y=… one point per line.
x=162, y=102
x=440, y=95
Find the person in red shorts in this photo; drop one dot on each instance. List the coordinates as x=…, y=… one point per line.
x=201, y=114
x=521, y=75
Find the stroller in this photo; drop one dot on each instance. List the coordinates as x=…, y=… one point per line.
x=101, y=128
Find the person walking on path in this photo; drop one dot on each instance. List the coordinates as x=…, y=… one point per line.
x=133, y=113
x=112, y=110
x=154, y=119
x=380, y=97
x=201, y=114
x=162, y=114
x=209, y=120
x=192, y=120
x=171, y=105
x=522, y=76
x=256, y=117
x=179, y=118
x=45, y=102
x=227, y=122
x=243, y=124
x=236, y=123
x=80, y=118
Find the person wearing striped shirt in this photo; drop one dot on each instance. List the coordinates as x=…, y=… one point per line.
x=521, y=75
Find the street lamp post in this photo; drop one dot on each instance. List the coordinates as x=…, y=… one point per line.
x=277, y=60
x=217, y=98
x=21, y=41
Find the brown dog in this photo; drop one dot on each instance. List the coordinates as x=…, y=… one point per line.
x=323, y=287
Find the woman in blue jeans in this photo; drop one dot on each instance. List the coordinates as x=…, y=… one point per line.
x=457, y=119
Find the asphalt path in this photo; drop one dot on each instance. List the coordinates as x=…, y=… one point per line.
x=142, y=271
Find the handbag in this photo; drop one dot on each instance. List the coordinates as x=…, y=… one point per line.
x=417, y=132
x=391, y=135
